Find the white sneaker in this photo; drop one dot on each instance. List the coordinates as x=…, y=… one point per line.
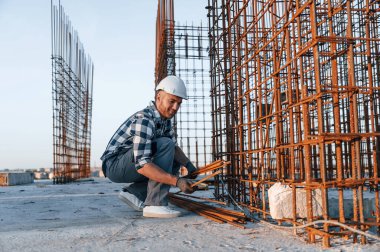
x=160, y=212
x=131, y=200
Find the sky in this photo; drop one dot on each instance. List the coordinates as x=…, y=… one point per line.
x=119, y=36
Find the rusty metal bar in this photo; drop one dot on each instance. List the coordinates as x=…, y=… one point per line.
x=296, y=99
x=165, y=64
x=72, y=89
x=193, y=121
x=220, y=215
x=206, y=178
x=182, y=50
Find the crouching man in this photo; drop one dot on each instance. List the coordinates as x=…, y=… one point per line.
x=143, y=152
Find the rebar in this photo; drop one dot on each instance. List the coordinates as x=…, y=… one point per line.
x=182, y=50
x=72, y=89
x=295, y=99
x=165, y=64
x=217, y=214
x=193, y=120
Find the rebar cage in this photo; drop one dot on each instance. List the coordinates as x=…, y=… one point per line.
x=295, y=99
x=193, y=120
x=182, y=50
x=72, y=88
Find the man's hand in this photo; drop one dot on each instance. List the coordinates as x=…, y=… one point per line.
x=184, y=185
x=190, y=169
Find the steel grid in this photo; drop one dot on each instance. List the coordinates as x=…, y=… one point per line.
x=295, y=99
x=72, y=88
x=182, y=50
x=193, y=120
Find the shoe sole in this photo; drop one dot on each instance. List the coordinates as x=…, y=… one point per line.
x=155, y=215
x=130, y=204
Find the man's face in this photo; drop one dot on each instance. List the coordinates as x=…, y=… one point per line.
x=167, y=104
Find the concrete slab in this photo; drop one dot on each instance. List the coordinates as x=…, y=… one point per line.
x=88, y=216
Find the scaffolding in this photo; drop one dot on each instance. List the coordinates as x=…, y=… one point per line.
x=295, y=100
x=72, y=89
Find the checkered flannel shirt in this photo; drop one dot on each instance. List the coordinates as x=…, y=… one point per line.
x=137, y=132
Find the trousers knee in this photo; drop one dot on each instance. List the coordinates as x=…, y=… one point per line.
x=165, y=144
x=164, y=154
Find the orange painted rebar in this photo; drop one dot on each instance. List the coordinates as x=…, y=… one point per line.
x=206, y=178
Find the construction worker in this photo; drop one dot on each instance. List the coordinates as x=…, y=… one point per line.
x=143, y=152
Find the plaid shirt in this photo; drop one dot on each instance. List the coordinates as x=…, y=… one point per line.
x=137, y=133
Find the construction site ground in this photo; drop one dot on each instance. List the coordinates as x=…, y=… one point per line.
x=88, y=216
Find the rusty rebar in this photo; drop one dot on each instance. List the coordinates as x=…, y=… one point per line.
x=220, y=215
x=182, y=50
x=295, y=99
x=72, y=89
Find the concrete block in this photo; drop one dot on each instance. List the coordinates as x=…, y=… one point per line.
x=15, y=178
x=281, y=202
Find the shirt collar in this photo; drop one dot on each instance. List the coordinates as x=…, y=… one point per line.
x=157, y=115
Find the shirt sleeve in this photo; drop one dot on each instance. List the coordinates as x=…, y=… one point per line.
x=142, y=130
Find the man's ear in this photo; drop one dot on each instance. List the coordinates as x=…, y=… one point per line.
x=159, y=95
x=156, y=95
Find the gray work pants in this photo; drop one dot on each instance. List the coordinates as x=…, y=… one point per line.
x=121, y=169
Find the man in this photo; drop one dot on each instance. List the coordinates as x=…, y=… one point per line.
x=143, y=152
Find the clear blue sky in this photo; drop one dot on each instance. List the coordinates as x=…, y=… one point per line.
x=119, y=35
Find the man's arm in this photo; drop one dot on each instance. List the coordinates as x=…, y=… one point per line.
x=154, y=172
x=180, y=157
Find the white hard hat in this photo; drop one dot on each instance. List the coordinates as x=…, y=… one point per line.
x=173, y=85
